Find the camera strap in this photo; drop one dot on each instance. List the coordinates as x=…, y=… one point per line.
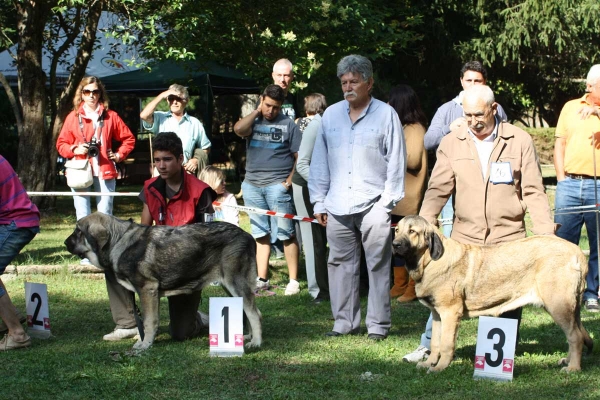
x=96, y=131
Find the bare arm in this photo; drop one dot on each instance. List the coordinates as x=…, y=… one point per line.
x=147, y=114
x=146, y=216
x=559, y=157
x=243, y=128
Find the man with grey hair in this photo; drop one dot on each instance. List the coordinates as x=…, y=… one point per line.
x=577, y=139
x=283, y=75
x=356, y=178
x=493, y=171
x=196, y=144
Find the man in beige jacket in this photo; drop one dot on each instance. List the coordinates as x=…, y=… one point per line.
x=492, y=169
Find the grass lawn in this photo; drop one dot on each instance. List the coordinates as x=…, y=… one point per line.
x=296, y=361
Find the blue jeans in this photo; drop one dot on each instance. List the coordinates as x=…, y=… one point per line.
x=12, y=240
x=575, y=193
x=447, y=213
x=273, y=197
x=83, y=204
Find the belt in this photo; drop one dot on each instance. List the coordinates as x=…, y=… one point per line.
x=573, y=176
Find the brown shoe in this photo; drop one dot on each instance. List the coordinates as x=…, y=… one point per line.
x=400, y=282
x=9, y=343
x=410, y=294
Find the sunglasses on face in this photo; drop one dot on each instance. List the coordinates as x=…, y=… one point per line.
x=87, y=92
x=171, y=98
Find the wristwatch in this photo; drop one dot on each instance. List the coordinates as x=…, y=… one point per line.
x=287, y=185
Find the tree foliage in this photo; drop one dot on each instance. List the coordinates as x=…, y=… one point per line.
x=313, y=34
x=541, y=48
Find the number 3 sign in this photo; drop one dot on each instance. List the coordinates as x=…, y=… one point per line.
x=226, y=326
x=38, y=317
x=495, y=351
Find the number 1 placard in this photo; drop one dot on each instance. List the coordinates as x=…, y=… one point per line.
x=38, y=316
x=226, y=326
x=495, y=351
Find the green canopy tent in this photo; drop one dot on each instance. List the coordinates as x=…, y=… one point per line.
x=205, y=80
x=202, y=79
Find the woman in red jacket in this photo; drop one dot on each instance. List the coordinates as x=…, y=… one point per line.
x=90, y=121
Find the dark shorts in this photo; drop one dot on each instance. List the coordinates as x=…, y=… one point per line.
x=12, y=240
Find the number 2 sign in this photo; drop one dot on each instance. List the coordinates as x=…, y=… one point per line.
x=38, y=316
x=226, y=326
x=495, y=351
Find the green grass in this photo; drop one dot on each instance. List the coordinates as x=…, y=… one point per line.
x=296, y=360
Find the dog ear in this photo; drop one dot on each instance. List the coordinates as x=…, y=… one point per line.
x=99, y=233
x=436, y=247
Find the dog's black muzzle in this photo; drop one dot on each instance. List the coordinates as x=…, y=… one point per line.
x=400, y=247
x=71, y=244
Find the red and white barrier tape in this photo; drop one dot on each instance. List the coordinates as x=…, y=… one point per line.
x=252, y=210
x=71, y=194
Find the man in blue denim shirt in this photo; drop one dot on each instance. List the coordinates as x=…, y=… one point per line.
x=356, y=178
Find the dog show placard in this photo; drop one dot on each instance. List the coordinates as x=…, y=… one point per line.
x=226, y=326
x=495, y=351
x=38, y=316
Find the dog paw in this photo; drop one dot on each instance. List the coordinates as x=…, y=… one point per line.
x=141, y=346
x=433, y=370
x=563, y=362
x=423, y=365
x=254, y=343
x=568, y=370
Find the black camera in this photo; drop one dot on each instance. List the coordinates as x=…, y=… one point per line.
x=93, y=148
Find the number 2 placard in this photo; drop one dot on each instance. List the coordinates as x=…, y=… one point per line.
x=38, y=316
x=495, y=351
x=226, y=326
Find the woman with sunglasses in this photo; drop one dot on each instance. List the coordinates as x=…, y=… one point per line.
x=90, y=121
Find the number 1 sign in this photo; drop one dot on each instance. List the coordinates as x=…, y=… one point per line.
x=226, y=326
x=38, y=317
x=495, y=351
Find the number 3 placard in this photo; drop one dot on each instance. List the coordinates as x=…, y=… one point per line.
x=38, y=316
x=495, y=352
x=226, y=326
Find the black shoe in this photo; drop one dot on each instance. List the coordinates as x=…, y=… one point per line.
x=336, y=334
x=376, y=337
x=319, y=300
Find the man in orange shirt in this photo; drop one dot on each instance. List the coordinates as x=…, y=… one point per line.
x=577, y=139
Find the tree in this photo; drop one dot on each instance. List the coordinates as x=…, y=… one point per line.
x=541, y=49
x=55, y=26
x=313, y=34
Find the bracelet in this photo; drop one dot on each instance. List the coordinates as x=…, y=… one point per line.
x=287, y=185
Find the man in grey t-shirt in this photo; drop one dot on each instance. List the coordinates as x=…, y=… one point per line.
x=272, y=147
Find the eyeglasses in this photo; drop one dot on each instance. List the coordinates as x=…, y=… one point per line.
x=171, y=98
x=87, y=92
x=478, y=117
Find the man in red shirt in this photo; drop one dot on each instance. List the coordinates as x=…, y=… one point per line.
x=173, y=198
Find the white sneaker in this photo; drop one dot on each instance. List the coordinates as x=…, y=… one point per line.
x=419, y=354
x=292, y=288
x=591, y=305
x=120, y=334
x=85, y=261
x=260, y=285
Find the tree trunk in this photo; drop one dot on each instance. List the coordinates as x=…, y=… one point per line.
x=34, y=160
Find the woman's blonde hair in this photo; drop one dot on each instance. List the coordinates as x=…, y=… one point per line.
x=103, y=98
x=213, y=177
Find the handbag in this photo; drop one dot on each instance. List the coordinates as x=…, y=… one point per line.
x=79, y=173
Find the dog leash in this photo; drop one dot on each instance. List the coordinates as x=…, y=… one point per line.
x=138, y=316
